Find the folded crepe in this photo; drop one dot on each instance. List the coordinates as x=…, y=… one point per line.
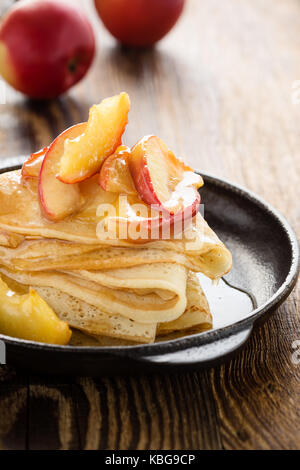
x=199, y=249
x=91, y=309
x=113, y=288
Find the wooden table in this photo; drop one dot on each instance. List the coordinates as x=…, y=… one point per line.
x=219, y=91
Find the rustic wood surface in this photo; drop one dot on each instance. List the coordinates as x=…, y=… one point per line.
x=219, y=91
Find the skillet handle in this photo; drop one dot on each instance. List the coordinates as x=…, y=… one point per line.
x=201, y=355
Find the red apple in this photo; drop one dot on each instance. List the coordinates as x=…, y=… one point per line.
x=45, y=47
x=139, y=22
x=58, y=200
x=161, y=179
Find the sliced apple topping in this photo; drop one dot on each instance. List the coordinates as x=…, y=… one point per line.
x=89, y=155
x=31, y=168
x=115, y=175
x=83, y=156
x=161, y=179
x=58, y=200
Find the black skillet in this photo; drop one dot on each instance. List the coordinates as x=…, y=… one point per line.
x=266, y=265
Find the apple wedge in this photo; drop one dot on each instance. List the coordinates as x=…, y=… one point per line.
x=31, y=168
x=29, y=317
x=58, y=200
x=83, y=156
x=161, y=179
x=115, y=175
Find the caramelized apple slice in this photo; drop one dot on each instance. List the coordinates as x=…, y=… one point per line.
x=58, y=200
x=115, y=175
x=31, y=168
x=29, y=317
x=144, y=230
x=133, y=220
x=83, y=156
x=161, y=179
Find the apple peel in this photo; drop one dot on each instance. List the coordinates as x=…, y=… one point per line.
x=58, y=200
x=161, y=179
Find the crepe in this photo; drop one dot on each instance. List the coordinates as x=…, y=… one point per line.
x=92, y=320
x=162, y=296
x=197, y=313
x=20, y=214
x=115, y=288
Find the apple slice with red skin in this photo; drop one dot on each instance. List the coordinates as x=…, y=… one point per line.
x=161, y=179
x=31, y=168
x=115, y=175
x=167, y=216
x=58, y=200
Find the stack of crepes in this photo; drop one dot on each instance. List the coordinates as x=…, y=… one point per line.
x=118, y=289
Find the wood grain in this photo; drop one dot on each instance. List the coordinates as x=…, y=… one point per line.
x=219, y=91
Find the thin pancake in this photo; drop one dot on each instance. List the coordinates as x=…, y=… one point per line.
x=20, y=213
x=113, y=287
x=197, y=313
x=93, y=321
x=149, y=308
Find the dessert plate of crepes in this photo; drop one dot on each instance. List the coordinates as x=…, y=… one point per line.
x=120, y=259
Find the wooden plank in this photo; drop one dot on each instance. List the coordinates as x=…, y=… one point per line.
x=13, y=409
x=257, y=394
x=51, y=414
x=155, y=412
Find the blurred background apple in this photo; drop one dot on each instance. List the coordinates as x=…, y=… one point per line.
x=45, y=47
x=139, y=22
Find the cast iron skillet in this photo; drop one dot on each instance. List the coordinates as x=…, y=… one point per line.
x=266, y=264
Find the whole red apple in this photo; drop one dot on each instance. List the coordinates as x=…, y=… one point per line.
x=45, y=47
x=139, y=22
